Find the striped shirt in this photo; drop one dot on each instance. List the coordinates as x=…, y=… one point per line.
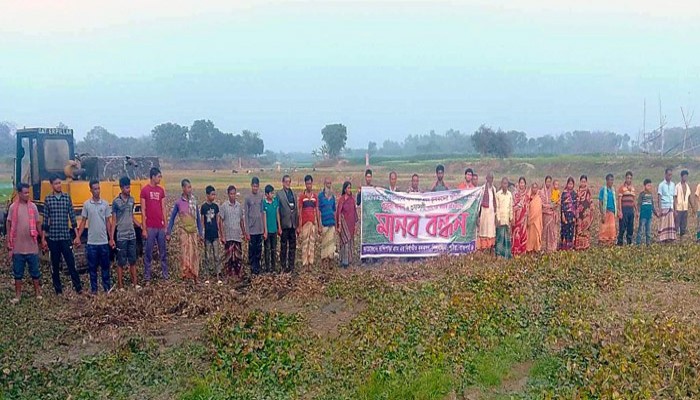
x=58, y=211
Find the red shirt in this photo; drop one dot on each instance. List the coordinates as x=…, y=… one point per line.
x=154, y=197
x=308, y=203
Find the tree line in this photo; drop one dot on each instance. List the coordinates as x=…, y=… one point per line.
x=487, y=141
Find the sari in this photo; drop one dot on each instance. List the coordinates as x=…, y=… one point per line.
x=347, y=218
x=550, y=237
x=534, y=224
x=569, y=201
x=608, y=228
x=584, y=219
x=519, y=230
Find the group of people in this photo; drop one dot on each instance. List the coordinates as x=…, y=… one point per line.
x=518, y=220
x=512, y=220
x=262, y=219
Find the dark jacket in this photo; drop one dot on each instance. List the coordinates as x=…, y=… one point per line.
x=289, y=216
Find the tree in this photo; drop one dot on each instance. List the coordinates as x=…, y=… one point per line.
x=372, y=148
x=335, y=136
x=490, y=143
x=252, y=143
x=100, y=142
x=7, y=138
x=170, y=139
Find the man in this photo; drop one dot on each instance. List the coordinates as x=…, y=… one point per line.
x=504, y=219
x=683, y=203
x=467, y=184
x=123, y=222
x=608, y=212
x=210, y=215
x=393, y=178
x=475, y=179
x=97, y=213
x=309, y=222
x=254, y=225
x=153, y=210
x=232, y=232
x=667, y=222
x=58, y=212
x=326, y=207
x=440, y=176
x=487, y=217
x=289, y=218
x=368, y=182
x=415, y=184
x=627, y=200
x=22, y=241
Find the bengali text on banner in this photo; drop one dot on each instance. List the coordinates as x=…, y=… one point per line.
x=418, y=224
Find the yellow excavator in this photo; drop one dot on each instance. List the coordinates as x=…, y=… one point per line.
x=43, y=152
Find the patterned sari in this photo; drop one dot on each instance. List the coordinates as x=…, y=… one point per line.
x=519, y=232
x=569, y=201
x=584, y=219
x=347, y=219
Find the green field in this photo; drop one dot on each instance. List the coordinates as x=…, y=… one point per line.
x=607, y=323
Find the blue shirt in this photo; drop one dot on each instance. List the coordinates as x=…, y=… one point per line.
x=667, y=190
x=611, y=198
x=327, y=207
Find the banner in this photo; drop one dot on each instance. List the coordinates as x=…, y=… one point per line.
x=418, y=224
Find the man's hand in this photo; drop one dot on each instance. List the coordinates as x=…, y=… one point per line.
x=222, y=240
x=264, y=235
x=279, y=232
x=112, y=244
x=44, y=245
x=247, y=237
x=144, y=233
x=167, y=238
x=76, y=242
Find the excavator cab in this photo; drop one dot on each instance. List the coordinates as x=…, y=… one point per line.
x=42, y=152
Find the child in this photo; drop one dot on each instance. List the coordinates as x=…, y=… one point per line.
x=271, y=224
x=210, y=213
x=645, y=203
x=190, y=231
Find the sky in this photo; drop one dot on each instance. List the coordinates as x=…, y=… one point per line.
x=385, y=69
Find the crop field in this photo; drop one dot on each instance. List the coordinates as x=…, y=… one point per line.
x=619, y=322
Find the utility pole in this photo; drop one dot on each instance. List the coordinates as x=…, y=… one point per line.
x=661, y=126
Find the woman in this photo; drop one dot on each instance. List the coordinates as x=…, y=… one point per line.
x=584, y=215
x=550, y=237
x=347, y=219
x=326, y=205
x=191, y=232
x=608, y=213
x=520, y=218
x=568, y=215
x=534, y=220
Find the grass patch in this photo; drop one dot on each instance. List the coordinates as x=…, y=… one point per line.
x=429, y=384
